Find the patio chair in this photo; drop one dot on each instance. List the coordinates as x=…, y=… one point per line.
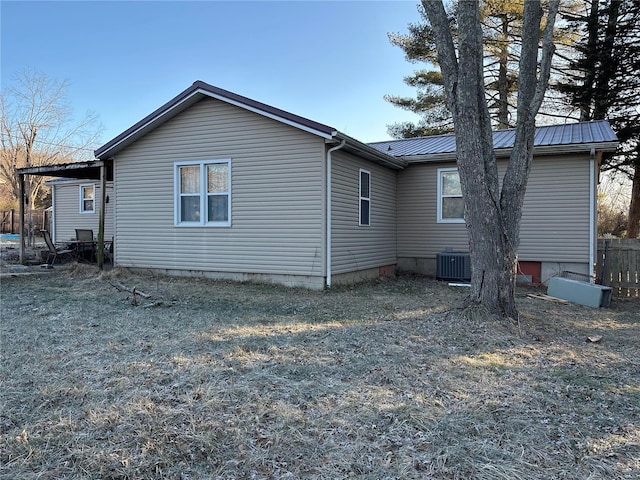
x=54, y=252
x=85, y=246
x=108, y=251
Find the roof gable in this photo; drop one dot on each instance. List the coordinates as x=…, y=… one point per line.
x=194, y=94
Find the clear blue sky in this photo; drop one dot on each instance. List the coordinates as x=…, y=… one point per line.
x=329, y=61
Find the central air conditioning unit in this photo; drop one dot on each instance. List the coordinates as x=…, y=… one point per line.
x=453, y=266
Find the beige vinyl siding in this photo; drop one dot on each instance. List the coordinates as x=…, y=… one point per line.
x=66, y=211
x=419, y=234
x=277, y=185
x=355, y=247
x=555, y=217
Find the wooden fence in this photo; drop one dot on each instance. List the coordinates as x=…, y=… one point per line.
x=618, y=265
x=10, y=221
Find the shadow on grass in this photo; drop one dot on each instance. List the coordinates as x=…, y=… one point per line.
x=245, y=381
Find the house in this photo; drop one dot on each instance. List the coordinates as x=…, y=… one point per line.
x=75, y=205
x=219, y=185
x=559, y=217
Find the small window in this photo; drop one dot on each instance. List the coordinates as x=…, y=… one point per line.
x=365, y=198
x=87, y=199
x=202, y=193
x=450, y=202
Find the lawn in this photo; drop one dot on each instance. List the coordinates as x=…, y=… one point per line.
x=218, y=380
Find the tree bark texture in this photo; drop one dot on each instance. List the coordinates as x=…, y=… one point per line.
x=503, y=81
x=492, y=215
x=591, y=60
x=633, y=227
x=608, y=61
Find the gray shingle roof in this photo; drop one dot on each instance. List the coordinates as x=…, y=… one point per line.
x=582, y=133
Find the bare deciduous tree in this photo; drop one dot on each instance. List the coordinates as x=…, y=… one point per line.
x=492, y=214
x=38, y=128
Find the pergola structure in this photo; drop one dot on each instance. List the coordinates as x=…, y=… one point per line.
x=101, y=170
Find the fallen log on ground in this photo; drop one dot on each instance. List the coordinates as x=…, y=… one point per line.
x=134, y=290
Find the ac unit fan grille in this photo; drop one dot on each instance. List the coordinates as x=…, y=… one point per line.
x=453, y=266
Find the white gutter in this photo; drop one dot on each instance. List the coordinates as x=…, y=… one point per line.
x=373, y=154
x=592, y=211
x=328, y=239
x=506, y=152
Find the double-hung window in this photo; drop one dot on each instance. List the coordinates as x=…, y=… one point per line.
x=87, y=198
x=365, y=198
x=203, y=193
x=450, y=202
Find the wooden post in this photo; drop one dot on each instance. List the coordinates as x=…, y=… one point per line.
x=606, y=265
x=21, y=218
x=103, y=202
x=600, y=261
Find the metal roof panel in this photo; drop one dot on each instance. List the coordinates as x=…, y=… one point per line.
x=598, y=131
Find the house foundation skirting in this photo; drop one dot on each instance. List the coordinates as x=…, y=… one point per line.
x=548, y=270
x=363, y=275
x=555, y=269
x=302, y=281
x=422, y=266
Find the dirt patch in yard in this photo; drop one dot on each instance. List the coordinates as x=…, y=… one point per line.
x=206, y=379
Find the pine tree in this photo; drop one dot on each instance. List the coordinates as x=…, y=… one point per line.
x=603, y=81
x=501, y=24
x=430, y=102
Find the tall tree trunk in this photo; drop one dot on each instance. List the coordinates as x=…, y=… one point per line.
x=633, y=226
x=591, y=60
x=479, y=176
x=492, y=216
x=608, y=63
x=503, y=72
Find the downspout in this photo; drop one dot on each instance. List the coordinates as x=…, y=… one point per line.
x=103, y=196
x=328, y=239
x=592, y=212
x=53, y=213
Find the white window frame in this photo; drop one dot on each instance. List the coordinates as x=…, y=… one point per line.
x=83, y=198
x=203, y=193
x=361, y=198
x=441, y=171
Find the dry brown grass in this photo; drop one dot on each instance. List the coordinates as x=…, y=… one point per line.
x=231, y=381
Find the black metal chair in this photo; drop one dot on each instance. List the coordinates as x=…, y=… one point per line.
x=54, y=252
x=85, y=245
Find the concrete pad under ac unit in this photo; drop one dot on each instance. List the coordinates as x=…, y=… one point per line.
x=582, y=293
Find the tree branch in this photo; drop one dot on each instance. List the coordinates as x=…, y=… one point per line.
x=548, y=49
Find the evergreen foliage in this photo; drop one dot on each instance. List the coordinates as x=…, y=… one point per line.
x=501, y=23
x=603, y=82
